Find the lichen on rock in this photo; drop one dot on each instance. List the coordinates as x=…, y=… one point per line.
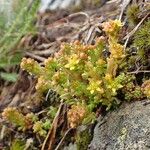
x=124, y=129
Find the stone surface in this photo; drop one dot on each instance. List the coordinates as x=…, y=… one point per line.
x=127, y=128
x=71, y=146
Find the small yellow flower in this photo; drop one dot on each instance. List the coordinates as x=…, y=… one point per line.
x=116, y=51
x=31, y=66
x=100, y=62
x=72, y=62
x=111, y=26
x=48, y=61
x=42, y=84
x=108, y=77
x=118, y=23
x=95, y=86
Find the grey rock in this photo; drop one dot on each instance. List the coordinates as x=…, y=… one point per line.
x=71, y=146
x=127, y=128
x=58, y=4
x=64, y=4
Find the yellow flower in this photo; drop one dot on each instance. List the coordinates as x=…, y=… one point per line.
x=42, y=85
x=72, y=62
x=111, y=26
x=116, y=51
x=48, y=61
x=31, y=66
x=100, y=62
x=108, y=77
x=94, y=86
x=118, y=23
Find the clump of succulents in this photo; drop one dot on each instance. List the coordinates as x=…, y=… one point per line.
x=83, y=76
x=23, y=122
x=38, y=127
x=29, y=121
x=76, y=114
x=80, y=73
x=146, y=88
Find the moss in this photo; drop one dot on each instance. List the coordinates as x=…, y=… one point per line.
x=83, y=139
x=142, y=39
x=80, y=74
x=139, y=51
x=18, y=144
x=132, y=14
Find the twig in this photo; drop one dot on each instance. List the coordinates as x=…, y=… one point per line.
x=91, y=30
x=47, y=95
x=45, y=46
x=80, y=13
x=44, y=52
x=53, y=129
x=58, y=146
x=139, y=71
x=39, y=58
x=125, y=3
x=43, y=111
x=81, y=31
x=2, y=132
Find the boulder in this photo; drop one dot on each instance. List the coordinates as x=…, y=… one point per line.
x=127, y=128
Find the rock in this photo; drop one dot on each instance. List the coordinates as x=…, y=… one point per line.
x=127, y=128
x=71, y=146
x=66, y=4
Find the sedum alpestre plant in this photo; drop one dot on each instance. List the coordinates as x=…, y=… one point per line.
x=28, y=122
x=82, y=75
x=21, y=121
